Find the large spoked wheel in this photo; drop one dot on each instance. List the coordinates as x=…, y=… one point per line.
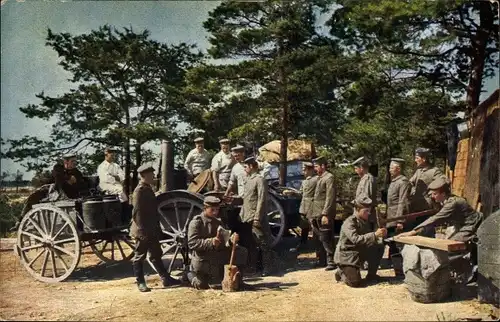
x=176, y=209
x=48, y=244
x=114, y=248
x=276, y=217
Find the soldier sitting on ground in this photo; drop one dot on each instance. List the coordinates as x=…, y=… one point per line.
x=210, y=252
x=356, y=242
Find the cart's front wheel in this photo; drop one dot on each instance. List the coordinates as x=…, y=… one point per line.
x=48, y=244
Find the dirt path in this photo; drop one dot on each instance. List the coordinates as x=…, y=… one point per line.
x=301, y=294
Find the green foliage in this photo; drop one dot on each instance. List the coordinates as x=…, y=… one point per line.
x=10, y=208
x=284, y=64
x=454, y=44
x=128, y=91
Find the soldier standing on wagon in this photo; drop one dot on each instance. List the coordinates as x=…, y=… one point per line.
x=324, y=209
x=367, y=189
x=238, y=175
x=111, y=175
x=222, y=163
x=397, y=206
x=356, y=243
x=146, y=230
x=210, y=253
x=197, y=160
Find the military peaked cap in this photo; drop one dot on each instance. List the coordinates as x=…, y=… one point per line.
x=211, y=201
x=360, y=162
x=398, y=160
x=307, y=164
x=364, y=202
x=422, y=152
x=319, y=160
x=439, y=183
x=224, y=141
x=68, y=156
x=199, y=139
x=110, y=150
x=250, y=160
x=145, y=168
x=238, y=148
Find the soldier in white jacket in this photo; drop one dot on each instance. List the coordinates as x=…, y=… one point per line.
x=111, y=175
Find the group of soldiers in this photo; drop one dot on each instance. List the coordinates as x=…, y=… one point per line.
x=240, y=178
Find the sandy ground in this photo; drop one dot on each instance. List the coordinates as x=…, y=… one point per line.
x=98, y=292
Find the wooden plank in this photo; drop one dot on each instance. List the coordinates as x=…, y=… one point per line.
x=435, y=243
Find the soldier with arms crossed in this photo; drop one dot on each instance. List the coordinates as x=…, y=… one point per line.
x=222, y=163
x=197, y=160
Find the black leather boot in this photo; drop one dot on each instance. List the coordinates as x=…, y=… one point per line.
x=166, y=279
x=139, y=276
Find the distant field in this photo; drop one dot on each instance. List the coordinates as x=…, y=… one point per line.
x=20, y=190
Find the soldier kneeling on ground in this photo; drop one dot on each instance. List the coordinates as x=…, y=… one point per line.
x=146, y=230
x=356, y=242
x=210, y=251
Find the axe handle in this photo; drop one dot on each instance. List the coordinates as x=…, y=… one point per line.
x=233, y=250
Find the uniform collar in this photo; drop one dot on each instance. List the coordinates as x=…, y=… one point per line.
x=397, y=178
x=142, y=183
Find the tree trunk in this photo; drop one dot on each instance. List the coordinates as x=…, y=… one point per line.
x=285, y=106
x=479, y=42
x=127, y=168
x=138, y=161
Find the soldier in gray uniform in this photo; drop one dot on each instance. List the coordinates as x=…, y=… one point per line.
x=455, y=211
x=424, y=175
x=222, y=163
x=238, y=175
x=356, y=242
x=146, y=230
x=306, y=192
x=197, y=160
x=367, y=189
x=463, y=222
x=324, y=210
x=397, y=206
x=254, y=221
x=209, y=252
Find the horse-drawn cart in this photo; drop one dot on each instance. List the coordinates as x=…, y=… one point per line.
x=52, y=235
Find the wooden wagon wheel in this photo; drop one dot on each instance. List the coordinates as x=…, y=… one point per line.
x=204, y=179
x=47, y=234
x=176, y=209
x=117, y=247
x=276, y=217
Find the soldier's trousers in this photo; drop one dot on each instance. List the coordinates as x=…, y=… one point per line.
x=326, y=237
x=350, y=275
x=375, y=256
x=253, y=238
x=395, y=252
x=210, y=270
x=142, y=247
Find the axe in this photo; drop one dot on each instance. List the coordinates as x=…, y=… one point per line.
x=230, y=283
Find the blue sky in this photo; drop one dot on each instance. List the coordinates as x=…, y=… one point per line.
x=29, y=67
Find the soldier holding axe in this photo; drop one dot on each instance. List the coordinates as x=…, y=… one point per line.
x=209, y=243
